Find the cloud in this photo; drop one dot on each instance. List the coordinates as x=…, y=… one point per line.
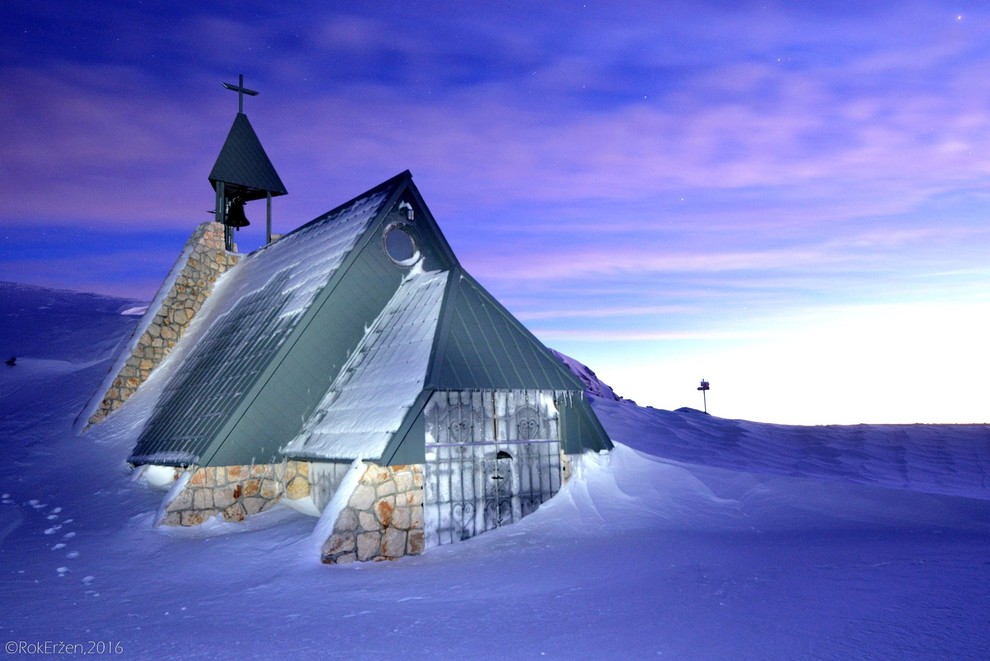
x=608, y=335
x=492, y=114
x=625, y=260
x=602, y=312
x=681, y=151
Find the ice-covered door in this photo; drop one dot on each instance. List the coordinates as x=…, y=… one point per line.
x=498, y=489
x=492, y=457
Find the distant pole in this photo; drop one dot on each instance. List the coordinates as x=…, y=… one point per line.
x=704, y=393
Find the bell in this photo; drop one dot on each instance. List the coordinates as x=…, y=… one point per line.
x=235, y=214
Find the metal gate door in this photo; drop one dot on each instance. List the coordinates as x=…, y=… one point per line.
x=492, y=457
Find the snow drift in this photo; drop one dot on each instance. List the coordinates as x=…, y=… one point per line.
x=698, y=537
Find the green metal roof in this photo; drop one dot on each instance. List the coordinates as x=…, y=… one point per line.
x=258, y=312
x=244, y=165
x=301, y=332
x=481, y=345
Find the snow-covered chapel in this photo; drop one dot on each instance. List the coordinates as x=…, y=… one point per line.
x=351, y=369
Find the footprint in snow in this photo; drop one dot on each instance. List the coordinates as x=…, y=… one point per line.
x=71, y=555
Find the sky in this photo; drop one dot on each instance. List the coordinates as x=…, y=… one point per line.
x=788, y=200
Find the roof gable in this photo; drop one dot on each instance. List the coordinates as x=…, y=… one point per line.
x=244, y=163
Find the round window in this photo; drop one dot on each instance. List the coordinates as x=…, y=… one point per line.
x=400, y=244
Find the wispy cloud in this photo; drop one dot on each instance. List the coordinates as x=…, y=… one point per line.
x=606, y=335
x=602, y=312
x=516, y=120
x=563, y=264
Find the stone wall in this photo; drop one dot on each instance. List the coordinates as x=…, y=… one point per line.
x=205, y=260
x=383, y=519
x=236, y=492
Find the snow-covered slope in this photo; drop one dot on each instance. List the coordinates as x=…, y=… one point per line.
x=592, y=384
x=944, y=459
x=41, y=324
x=696, y=538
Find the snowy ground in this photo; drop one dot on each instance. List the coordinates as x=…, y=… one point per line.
x=697, y=538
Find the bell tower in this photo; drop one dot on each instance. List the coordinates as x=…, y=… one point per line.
x=243, y=172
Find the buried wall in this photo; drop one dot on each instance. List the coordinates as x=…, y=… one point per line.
x=381, y=518
x=189, y=283
x=234, y=493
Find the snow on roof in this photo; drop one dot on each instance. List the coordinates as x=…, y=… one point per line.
x=369, y=400
x=292, y=255
x=253, y=309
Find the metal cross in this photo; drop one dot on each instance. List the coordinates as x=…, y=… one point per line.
x=241, y=91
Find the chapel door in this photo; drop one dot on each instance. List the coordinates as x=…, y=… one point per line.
x=492, y=457
x=498, y=484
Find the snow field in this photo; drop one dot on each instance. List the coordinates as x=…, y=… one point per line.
x=697, y=538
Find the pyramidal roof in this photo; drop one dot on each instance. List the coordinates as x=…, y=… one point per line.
x=244, y=163
x=327, y=344
x=441, y=331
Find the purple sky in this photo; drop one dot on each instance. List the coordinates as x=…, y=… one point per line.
x=787, y=199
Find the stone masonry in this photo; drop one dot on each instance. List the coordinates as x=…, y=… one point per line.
x=207, y=260
x=383, y=519
x=236, y=492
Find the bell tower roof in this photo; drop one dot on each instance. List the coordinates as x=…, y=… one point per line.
x=244, y=166
x=243, y=172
